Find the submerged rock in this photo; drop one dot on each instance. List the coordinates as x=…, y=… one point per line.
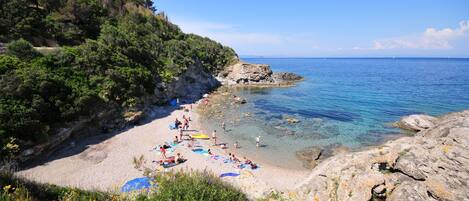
x=292, y=120
x=310, y=156
x=286, y=77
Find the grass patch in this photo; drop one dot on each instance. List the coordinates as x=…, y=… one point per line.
x=12, y=188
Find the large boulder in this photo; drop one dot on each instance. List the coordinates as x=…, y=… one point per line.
x=246, y=73
x=416, y=122
x=192, y=84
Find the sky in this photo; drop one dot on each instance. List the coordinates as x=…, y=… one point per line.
x=333, y=28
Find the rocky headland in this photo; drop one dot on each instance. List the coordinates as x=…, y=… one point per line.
x=431, y=165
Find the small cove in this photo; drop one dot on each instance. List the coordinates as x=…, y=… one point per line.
x=341, y=103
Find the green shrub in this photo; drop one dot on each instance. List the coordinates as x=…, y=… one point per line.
x=194, y=185
x=8, y=63
x=22, y=49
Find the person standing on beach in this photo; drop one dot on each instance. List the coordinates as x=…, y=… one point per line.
x=258, y=141
x=236, y=145
x=223, y=126
x=214, y=137
x=163, y=152
x=186, y=124
x=180, y=133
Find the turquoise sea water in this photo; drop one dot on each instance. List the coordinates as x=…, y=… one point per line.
x=347, y=102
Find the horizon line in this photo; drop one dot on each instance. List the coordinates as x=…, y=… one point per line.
x=371, y=57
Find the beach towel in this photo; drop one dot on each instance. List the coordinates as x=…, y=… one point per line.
x=168, y=150
x=137, y=184
x=172, y=126
x=228, y=161
x=172, y=143
x=200, y=151
x=216, y=157
x=229, y=174
x=247, y=167
x=200, y=136
x=168, y=165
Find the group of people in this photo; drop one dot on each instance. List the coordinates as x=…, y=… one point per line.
x=169, y=160
x=173, y=160
x=183, y=125
x=180, y=125
x=240, y=164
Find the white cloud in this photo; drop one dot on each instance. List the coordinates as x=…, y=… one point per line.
x=431, y=38
x=251, y=43
x=226, y=34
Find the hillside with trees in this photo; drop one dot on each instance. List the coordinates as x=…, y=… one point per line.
x=109, y=55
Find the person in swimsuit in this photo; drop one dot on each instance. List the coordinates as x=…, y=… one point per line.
x=258, y=141
x=163, y=152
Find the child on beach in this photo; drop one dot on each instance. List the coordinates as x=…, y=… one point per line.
x=214, y=137
x=192, y=141
x=180, y=133
x=176, y=139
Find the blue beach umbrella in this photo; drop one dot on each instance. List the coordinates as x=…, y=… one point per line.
x=137, y=184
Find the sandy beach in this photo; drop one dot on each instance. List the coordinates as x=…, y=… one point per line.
x=106, y=164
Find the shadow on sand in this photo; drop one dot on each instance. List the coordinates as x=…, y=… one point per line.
x=76, y=145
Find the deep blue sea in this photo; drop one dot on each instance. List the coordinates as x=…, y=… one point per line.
x=348, y=102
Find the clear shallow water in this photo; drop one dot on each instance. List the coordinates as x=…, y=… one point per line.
x=347, y=102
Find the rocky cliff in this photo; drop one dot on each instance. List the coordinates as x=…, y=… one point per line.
x=432, y=165
x=243, y=73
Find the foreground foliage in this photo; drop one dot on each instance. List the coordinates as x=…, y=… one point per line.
x=172, y=186
x=115, y=55
x=12, y=188
x=193, y=186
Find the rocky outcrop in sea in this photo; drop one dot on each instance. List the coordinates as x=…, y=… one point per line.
x=243, y=73
x=432, y=165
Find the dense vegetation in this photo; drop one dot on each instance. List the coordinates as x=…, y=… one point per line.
x=110, y=54
x=171, y=186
